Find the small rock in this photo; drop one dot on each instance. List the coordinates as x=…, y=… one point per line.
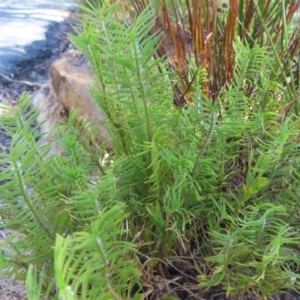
x=70, y=83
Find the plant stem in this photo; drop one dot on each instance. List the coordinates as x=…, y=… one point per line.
x=206, y=142
x=28, y=201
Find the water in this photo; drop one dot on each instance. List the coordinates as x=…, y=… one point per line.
x=23, y=22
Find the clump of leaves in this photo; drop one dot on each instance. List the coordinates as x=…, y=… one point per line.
x=189, y=198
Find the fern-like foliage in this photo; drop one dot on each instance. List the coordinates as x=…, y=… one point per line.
x=137, y=100
x=46, y=196
x=97, y=264
x=186, y=198
x=253, y=203
x=180, y=171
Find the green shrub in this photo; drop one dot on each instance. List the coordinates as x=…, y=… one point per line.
x=189, y=198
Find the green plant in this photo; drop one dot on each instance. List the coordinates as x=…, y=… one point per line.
x=188, y=198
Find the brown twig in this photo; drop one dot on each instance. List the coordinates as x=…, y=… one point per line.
x=29, y=83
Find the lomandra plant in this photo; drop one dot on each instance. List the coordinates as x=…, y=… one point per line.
x=205, y=32
x=188, y=198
